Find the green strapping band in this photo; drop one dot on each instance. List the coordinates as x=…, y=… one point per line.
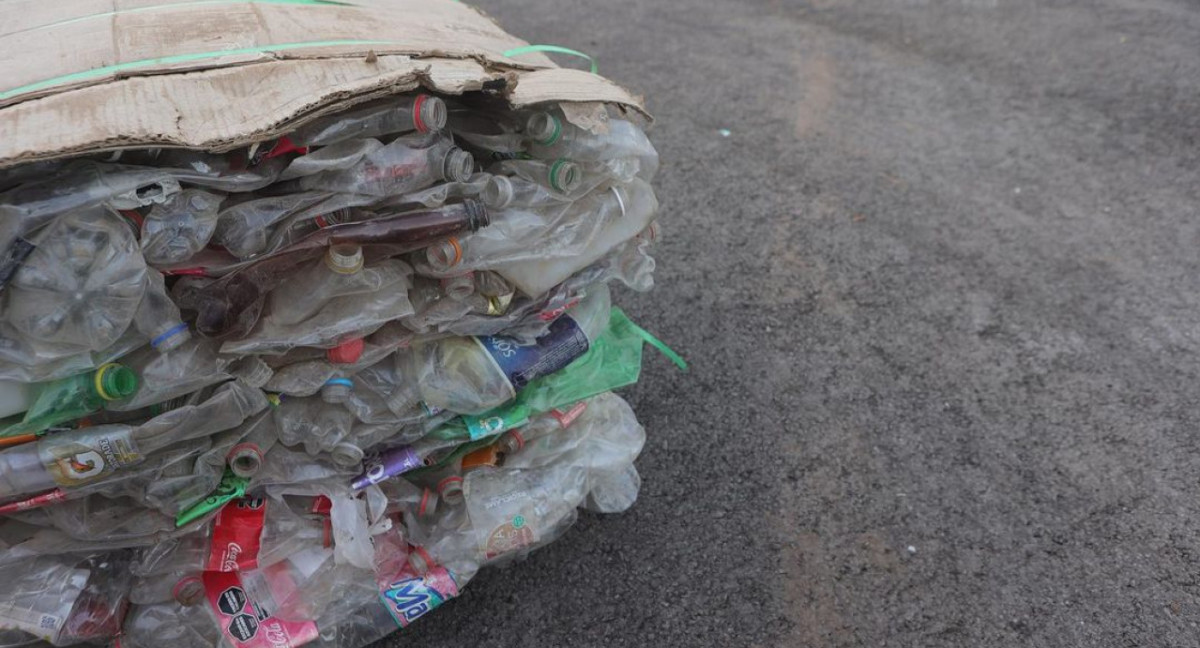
x=177, y=58
x=108, y=14
x=657, y=344
x=517, y=51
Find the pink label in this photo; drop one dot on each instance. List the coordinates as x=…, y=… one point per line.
x=237, y=535
x=244, y=622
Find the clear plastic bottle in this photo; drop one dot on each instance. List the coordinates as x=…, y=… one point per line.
x=407, y=164
x=72, y=398
x=504, y=192
x=561, y=175
x=303, y=295
x=61, y=601
x=231, y=306
x=180, y=227
x=243, y=228
x=471, y=375
x=267, y=528
x=591, y=230
x=80, y=185
x=551, y=136
x=422, y=113
x=81, y=285
x=508, y=514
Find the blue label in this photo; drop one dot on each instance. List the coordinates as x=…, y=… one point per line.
x=563, y=343
x=410, y=599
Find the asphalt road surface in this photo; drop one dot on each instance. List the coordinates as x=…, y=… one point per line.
x=934, y=263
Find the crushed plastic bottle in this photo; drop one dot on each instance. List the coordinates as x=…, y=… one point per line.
x=301, y=392
x=473, y=375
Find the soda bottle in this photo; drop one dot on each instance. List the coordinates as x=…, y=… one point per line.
x=72, y=398
x=409, y=163
x=422, y=113
x=310, y=288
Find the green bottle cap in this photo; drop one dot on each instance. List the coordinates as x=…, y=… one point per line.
x=115, y=381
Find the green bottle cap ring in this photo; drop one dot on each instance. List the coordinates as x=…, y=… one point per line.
x=115, y=381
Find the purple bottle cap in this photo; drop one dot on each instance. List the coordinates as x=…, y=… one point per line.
x=386, y=465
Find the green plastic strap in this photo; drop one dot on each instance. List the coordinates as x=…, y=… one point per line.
x=195, y=3
x=517, y=51
x=657, y=344
x=179, y=58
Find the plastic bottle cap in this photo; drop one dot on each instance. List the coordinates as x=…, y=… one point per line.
x=564, y=175
x=498, y=192
x=245, y=459
x=428, y=503
x=458, y=165
x=171, y=338
x=544, y=128
x=188, y=591
x=485, y=456
x=347, y=352
x=347, y=454
x=444, y=254
x=344, y=259
x=115, y=381
x=460, y=286
x=429, y=113
x=336, y=390
x=512, y=441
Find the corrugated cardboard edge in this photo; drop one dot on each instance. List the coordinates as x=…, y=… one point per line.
x=228, y=102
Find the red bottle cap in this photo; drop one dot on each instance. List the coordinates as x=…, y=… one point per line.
x=347, y=352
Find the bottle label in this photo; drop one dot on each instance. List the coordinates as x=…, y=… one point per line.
x=88, y=454
x=43, y=615
x=563, y=342
x=237, y=535
x=411, y=597
x=386, y=465
x=513, y=535
x=244, y=622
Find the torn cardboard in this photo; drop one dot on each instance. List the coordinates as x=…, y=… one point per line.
x=82, y=76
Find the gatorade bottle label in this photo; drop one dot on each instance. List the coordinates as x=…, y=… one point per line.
x=237, y=535
x=89, y=454
x=563, y=343
x=243, y=620
x=411, y=597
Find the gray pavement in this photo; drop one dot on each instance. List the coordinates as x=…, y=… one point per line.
x=939, y=289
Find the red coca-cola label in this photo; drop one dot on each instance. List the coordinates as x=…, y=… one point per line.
x=244, y=622
x=237, y=535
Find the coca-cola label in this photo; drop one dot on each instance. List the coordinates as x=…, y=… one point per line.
x=411, y=596
x=563, y=342
x=244, y=622
x=237, y=535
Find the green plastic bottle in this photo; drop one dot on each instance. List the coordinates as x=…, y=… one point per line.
x=75, y=397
